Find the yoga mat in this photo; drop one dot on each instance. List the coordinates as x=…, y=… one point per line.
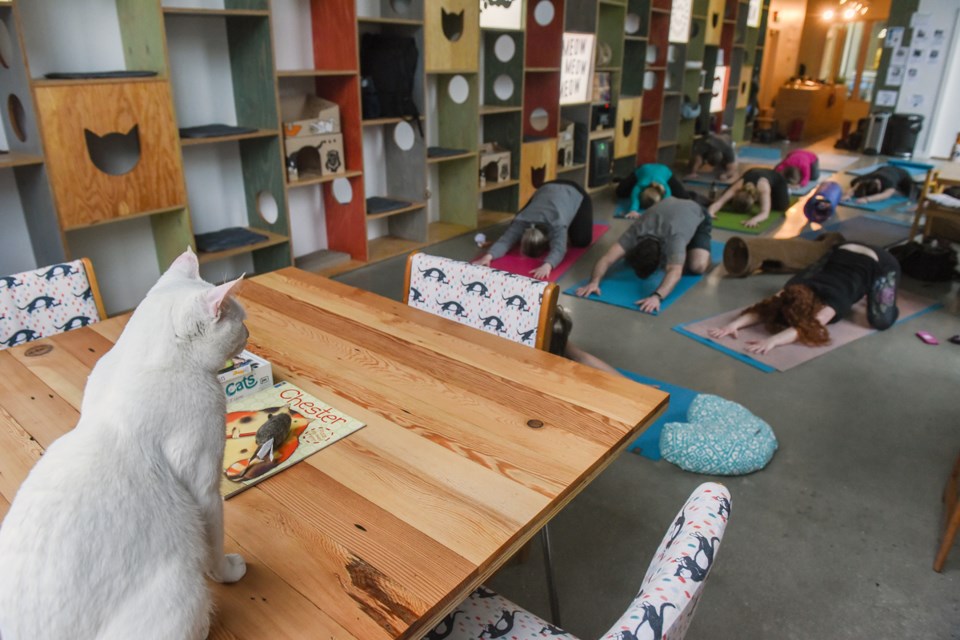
x=789, y=356
x=915, y=169
x=759, y=153
x=879, y=205
x=893, y=217
x=836, y=161
x=622, y=208
x=813, y=184
x=648, y=444
x=879, y=233
x=517, y=263
x=706, y=179
x=731, y=221
x=621, y=287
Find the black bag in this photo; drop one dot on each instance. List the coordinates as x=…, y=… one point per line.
x=388, y=64
x=930, y=261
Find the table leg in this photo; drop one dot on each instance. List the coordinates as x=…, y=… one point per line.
x=551, y=585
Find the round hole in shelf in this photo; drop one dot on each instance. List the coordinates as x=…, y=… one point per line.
x=458, y=89
x=342, y=191
x=543, y=13
x=632, y=24
x=503, y=87
x=401, y=7
x=539, y=118
x=17, y=116
x=649, y=80
x=694, y=29
x=651, y=53
x=504, y=48
x=267, y=207
x=403, y=136
x=6, y=45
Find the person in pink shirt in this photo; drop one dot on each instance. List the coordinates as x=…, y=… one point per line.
x=799, y=167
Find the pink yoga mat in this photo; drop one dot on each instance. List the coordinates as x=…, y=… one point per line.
x=789, y=356
x=515, y=262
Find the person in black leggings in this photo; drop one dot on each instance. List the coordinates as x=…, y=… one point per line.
x=559, y=211
x=765, y=188
x=880, y=185
x=822, y=294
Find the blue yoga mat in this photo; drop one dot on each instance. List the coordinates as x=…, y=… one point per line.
x=915, y=169
x=758, y=153
x=621, y=287
x=648, y=444
x=879, y=205
x=868, y=230
x=622, y=208
x=902, y=219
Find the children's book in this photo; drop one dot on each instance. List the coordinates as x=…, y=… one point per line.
x=274, y=429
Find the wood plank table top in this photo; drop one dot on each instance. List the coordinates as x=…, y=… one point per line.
x=381, y=534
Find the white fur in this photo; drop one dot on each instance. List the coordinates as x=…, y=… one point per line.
x=112, y=532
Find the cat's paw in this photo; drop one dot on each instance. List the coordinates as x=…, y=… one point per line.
x=232, y=568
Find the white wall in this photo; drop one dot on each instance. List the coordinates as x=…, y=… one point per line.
x=944, y=121
x=16, y=254
x=71, y=36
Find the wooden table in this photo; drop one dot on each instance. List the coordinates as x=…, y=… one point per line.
x=381, y=534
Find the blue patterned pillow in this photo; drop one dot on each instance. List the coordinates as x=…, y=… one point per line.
x=720, y=437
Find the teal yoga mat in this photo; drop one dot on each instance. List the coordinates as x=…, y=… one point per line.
x=621, y=287
x=648, y=444
x=768, y=154
x=879, y=205
x=915, y=169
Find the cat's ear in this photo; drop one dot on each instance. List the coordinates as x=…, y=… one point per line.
x=214, y=298
x=186, y=265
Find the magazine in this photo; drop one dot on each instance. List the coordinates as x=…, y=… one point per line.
x=274, y=429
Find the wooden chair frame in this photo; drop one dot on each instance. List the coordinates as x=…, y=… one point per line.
x=933, y=184
x=548, y=308
x=952, y=508
x=94, y=287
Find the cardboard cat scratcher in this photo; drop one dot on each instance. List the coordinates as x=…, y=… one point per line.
x=743, y=256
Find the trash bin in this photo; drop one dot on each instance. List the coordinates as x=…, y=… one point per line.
x=876, y=130
x=903, y=129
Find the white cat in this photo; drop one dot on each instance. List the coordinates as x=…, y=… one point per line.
x=111, y=534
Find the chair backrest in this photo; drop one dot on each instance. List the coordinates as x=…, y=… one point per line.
x=505, y=304
x=674, y=581
x=44, y=302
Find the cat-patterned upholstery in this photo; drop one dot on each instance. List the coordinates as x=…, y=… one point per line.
x=44, y=302
x=664, y=607
x=504, y=304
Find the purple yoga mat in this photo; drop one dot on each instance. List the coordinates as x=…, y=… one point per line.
x=515, y=262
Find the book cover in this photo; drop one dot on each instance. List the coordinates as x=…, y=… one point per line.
x=274, y=429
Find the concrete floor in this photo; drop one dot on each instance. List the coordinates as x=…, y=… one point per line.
x=834, y=539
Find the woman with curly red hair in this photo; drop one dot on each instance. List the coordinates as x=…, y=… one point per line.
x=822, y=294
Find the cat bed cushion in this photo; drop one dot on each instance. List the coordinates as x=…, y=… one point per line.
x=720, y=437
x=378, y=204
x=228, y=238
x=216, y=130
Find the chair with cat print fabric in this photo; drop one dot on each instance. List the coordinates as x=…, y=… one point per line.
x=44, y=302
x=504, y=304
x=664, y=607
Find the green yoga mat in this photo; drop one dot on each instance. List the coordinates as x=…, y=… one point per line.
x=731, y=221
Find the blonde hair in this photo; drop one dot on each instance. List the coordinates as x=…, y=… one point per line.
x=562, y=324
x=534, y=242
x=745, y=198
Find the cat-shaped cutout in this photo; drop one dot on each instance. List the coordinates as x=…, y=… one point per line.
x=452, y=24
x=115, y=153
x=627, y=127
x=115, y=527
x=537, y=175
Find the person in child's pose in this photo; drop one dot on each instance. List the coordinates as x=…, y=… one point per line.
x=799, y=167
x=559, y=211
x=822, y=294
x=763, y=188
x=880, y=185
x=560, y=343
x=649, y=184
x=673, y=232
x=714, y=152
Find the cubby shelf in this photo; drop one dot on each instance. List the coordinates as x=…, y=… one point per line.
x=459, y=156
x=314, y=73
x=260, y=133
x=571, y=168
x=440, y=231
x=488, y=218
x=272, y=240
x=397, y=21
x=376, y=122
x=542, y=69
x=395, y=212
x=487, y=110
x=602, y=133
x=390, y=246
x=239, y=13
x=14, y=159
x=48, y=82
x=312, y=180
x=496, y=186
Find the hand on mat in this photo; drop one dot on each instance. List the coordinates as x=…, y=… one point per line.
x=632, y=215
x=755, y=220
x=722, y=332
x=761, y=347
x=587, y=289
x=862, y=200
x=542, y=272
x=650, y=304
x=484, y=260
